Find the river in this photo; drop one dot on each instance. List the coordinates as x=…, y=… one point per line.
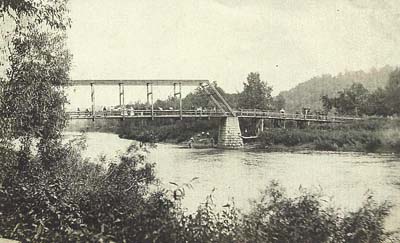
x=241, y=174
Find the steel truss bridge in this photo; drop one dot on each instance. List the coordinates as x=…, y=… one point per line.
x=223, y=109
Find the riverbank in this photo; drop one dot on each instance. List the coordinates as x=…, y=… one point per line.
x=371, y=136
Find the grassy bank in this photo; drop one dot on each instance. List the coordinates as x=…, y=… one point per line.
x=175, y=131
x=365, y=136
x=164, y=130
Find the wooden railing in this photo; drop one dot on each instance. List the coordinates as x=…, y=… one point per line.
x=146, y=113
x=205, y=113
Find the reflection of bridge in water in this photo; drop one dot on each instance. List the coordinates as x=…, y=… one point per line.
x=229, y=132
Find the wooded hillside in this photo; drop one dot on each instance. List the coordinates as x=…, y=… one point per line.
x=308, y=93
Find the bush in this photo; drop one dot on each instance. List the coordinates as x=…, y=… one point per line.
x=277, y=218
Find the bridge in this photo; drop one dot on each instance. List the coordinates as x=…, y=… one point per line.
x=135, y=114
x=229, y=132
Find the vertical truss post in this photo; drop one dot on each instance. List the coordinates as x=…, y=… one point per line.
x=179, y=94
x=92, y=97
x=150, y=98
x=180, y=100
x=175, y=94
x=120, y=92
x=122, y=99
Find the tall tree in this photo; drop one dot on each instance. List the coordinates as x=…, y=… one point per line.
x=256, y=94
x=32, y=98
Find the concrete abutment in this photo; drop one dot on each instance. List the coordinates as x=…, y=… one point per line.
x=229, y=135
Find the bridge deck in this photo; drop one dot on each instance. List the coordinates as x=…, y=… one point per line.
x=140, y=114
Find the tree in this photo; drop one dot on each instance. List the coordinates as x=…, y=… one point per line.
x=199, y=98
x=392, y=89
x=279, y=102
x=32, y=98
x=51, y=13
x=351, y=101
x=327, y=103
x=376, y=104
x=256, y=94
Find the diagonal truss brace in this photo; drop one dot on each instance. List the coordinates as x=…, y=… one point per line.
x=213, y=98
x=221, y=98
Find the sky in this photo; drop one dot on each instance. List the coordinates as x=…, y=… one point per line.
x=287, y=42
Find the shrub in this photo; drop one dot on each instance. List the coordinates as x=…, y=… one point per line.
x=306, y=218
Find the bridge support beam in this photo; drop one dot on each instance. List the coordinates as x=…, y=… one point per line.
x=150, y=98
x=122, y=99
x=179, y=95
x=259, y=126
x=92, y=97
x=229, y=135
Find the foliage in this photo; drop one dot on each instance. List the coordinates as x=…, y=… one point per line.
x=308, y=93
x=42, y=12
x=32, y=95
x=339, y=139
x=80, y=201
x=392, y=98
x=256, y=94
x=306, y=218
x=178, y=131
x=278, y=102
x=351, y=101
x=200, y=99
x=31, y=98
x=359, y=101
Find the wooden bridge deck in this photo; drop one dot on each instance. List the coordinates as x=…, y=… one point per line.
x=141, y=114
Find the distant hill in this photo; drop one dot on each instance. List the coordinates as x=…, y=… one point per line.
x=308, y=93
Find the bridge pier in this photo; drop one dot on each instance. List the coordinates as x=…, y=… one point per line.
x=229, y=133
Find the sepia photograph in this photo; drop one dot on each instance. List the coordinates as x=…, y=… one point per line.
x=197, y=121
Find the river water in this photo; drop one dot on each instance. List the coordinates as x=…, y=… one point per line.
x=241, y=174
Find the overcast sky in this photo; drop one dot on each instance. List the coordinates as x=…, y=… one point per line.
x=287, y=42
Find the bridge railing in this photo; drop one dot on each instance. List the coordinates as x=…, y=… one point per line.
x=146, y=113
x=128, y=113
x=292, y=116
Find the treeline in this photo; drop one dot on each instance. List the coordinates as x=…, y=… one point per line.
x=357, y=100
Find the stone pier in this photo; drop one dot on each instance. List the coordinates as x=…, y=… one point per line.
x=229, y=133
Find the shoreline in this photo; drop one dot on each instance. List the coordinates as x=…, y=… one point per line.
x=259, y=147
